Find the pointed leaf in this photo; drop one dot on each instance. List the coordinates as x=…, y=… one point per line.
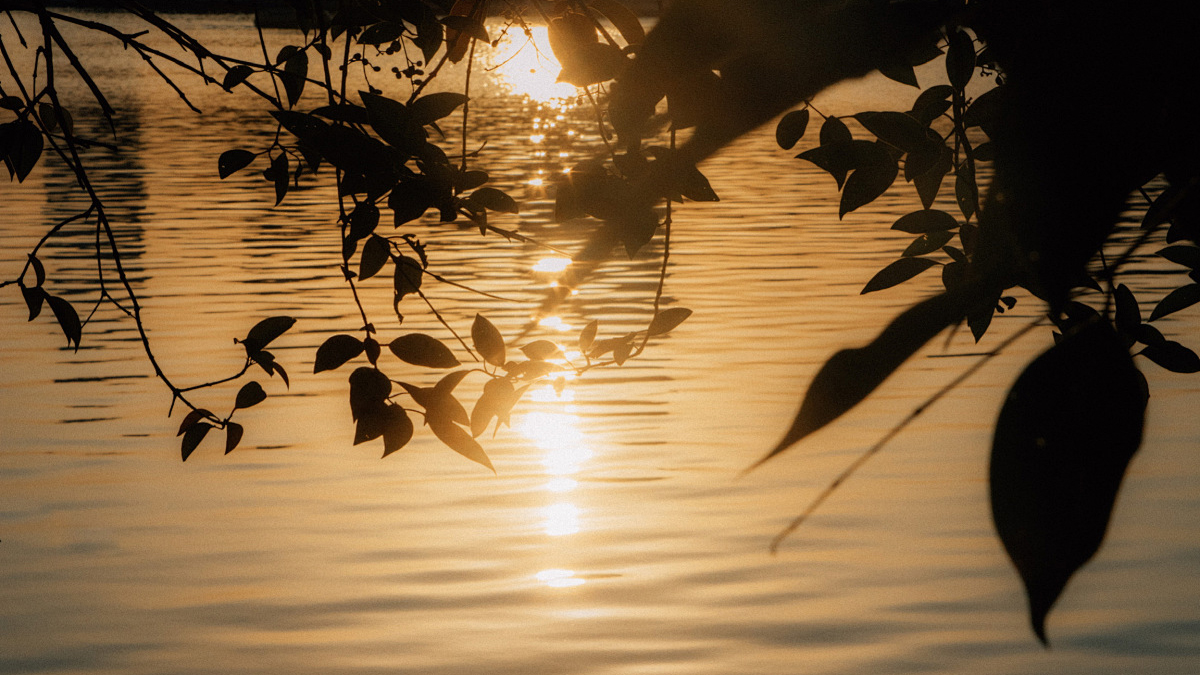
x=336, y=351
x=34, y=297
x=369, y=389
x=1070, y=425
x=540, y=350
x=488, y=341
x=588, y=335
x=869, y=181
x=423, y=350
x=191, y=418
x=897, y=273
x=407, y=278
x=791, y=128
x=458, y=440
x=232, y=161
x=233, y=436
x=496, y=401
x=67, y=319
x=666, y=320
x=192, y=438
x=433, y=107
x=250, y=395
x=235, y=76
x=294, y=76
x=850, y=375
x=494, y=200
x=927, y=243
x=925, y=220
x=375, y=254
x=960, y=59
x=264, y=333
x=1180, y=298
x=1172, y=356
x=397, y=429
x=1129, y=315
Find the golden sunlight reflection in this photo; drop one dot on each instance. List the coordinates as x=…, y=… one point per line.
x=555, y=578
x=554, y=323
x=560, y=519
x=558, y=437
x=526, y=66
x=551, y=265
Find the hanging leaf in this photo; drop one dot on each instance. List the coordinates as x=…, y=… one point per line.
x=67, y=319
x=250, y=395
x=458, y=440
x=488, y=341
x=925, y=220
x=897, y=273
x=1070, y=425
x=833, y=130
x=232, y=161
x=1172, y=356
x=966, y=191
x=410, y=200
x=931, y=103
x=791, y=128
x=375, y=254
x=588, y=335
x=193, y=417
x=960, y=59
x=235, y=76
x=34, y=297
x=397, y=429
x=407, y=279
x=496, y=401
x=336, y=351
x=433, y=107
x=900, y=72
x=369, y=389
x=540, y=350
x=294, y=76
x=264, y=333
x=25, y=147
x=928, y=184
x=1128, y=315
x=927, y=243
x=1188, y=256
x=363, y=221
x=39, y=271
x=850, y=375
x=1180, y=298
x=869, y=180
x=278, y=174
x=666, y=320
x=192, y=438
x=423, y=350
x=494, y=200
x=430, y=35
x=233, y=436
x=894, y=128
x=468, y=27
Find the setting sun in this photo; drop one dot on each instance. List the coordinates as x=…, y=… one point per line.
x=526, y=67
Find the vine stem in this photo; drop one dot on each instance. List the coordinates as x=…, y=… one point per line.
x=912, y=416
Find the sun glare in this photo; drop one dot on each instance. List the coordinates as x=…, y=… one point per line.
x=527, y=67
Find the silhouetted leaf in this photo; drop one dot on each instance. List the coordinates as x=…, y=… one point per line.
x=840, y=157
x=233, y=436
x=984, y=110
x=193, y=417
x=927, y=243
x=264, y=333
x=34, y=297
x=278, y=174
x=407, y=279
x=25, y=147
x=626, y=22
x=833, y=130
x=894, y=128
x=869, y=181
x=494, y=200
x=369, y=388
x=540, y=350
x=496, y=401
x=39, y=271
x=900, y=72
x=410, y=200
x=433, y=107
x=397, y=429
x=1070, y=425
x=344, y=112
x=430, y=35
x=250, y=395
x=376, y=252
x=1128, y=315
x=897, y=273
x=363, y=220
x=925, y=220
x=232, y=161
x=1172, y=356
x=666, y=320
x=236, y=75
x=293, y=77
x=850, y=375
x=390, y=119
x=588, y=335
x=458, y=440
x=791, y=128
x=1188, y=256
x=67, y=319
x=931, y=103
x=928, y=184
x=592, y=63
x=966, y=191
x=622, y=350
x=423, y=350
x=381, y=33
x=336, y=351
x=487, y=340
x=960, y=59
x=192, y=438
x=1180, y=298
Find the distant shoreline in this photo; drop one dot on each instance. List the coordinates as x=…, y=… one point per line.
x=641, y=7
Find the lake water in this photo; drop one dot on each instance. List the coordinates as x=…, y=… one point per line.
x=617, y=537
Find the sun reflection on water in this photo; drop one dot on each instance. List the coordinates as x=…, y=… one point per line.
x=526, y=67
